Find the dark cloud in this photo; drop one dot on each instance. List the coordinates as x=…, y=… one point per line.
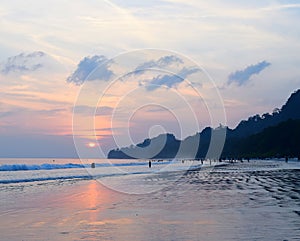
x=23, y=63
x=241, y=77
x=91, y=68
x=171, y=80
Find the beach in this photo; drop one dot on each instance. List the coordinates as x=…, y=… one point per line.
x=259, y=200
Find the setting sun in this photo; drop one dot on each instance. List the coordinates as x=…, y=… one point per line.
x=91, y=144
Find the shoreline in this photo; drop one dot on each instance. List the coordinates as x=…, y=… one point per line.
x=229, y=203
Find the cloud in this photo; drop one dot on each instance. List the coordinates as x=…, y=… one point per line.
x=185, y=72
x=52, y=112
x=281, y=7
x=165, y=80
x=6, y=113
x=155, y=109
x=91, y=68
x=92, y=111
x=160, y=63
x=17, y=111
x=23, y=63
x=171, y=80
x=241, y=77
x=140, y=4
x=104, y=110
x=171, y=63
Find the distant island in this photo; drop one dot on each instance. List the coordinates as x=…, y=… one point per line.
x=269, y=135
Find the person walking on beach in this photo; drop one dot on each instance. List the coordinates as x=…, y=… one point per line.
x=149, y=164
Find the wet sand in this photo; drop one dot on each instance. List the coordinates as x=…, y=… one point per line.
x=241, y=201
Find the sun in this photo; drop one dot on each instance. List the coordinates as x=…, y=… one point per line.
x=91, y=144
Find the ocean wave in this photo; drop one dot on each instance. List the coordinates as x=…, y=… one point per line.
x=68, y=177
x=41, y=179
x=45, y=166
x=10, y=174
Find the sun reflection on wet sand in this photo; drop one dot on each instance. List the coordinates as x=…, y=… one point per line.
x=88, y=200
x=93, y=196
x=60, y=212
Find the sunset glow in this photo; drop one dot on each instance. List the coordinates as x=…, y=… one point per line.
x=42, y=69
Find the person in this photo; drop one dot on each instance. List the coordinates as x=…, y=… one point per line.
x=149, y=164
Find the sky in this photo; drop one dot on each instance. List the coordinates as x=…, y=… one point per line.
x=79, y=78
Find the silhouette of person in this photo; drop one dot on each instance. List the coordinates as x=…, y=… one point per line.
x=149, y=164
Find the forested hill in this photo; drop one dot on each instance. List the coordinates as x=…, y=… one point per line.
x=256, y=123
x=282, y=140
x=246, y=133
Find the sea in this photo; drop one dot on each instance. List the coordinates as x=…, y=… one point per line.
x=43, y=170
x=101, y=199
